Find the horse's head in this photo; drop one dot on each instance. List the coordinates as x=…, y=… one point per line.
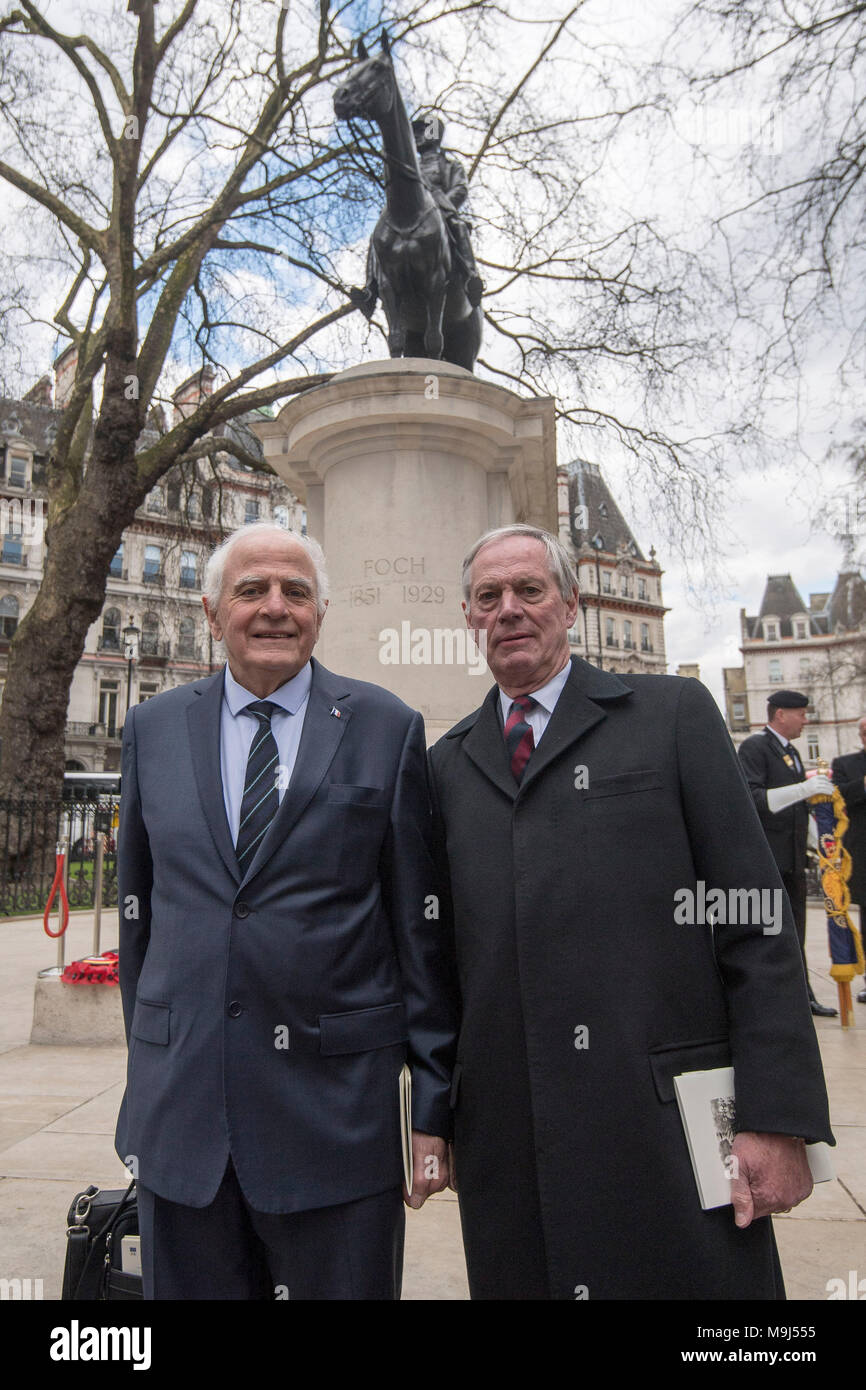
x=369, y=88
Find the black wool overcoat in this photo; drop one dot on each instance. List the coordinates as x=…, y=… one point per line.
x=582, y=997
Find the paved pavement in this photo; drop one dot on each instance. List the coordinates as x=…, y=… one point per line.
x=58, y=1106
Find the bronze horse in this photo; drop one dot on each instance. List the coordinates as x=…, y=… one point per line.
x=412, y=260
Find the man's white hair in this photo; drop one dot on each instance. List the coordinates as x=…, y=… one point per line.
x=215, y=567
x=557, y=556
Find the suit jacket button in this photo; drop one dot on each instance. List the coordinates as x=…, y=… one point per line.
x=241, y=910
x=235, y=1009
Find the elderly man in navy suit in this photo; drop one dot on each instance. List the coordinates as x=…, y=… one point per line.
x=279, y=956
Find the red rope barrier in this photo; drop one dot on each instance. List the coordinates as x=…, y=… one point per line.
x=57, y=885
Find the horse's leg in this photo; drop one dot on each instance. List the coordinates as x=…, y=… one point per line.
x=396, y=320
x=434, y=341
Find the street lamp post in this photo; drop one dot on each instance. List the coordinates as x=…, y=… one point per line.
x=131, y=635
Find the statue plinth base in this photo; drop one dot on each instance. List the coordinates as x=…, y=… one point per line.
x=402, y=465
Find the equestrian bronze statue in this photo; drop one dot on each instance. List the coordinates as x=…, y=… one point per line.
x=420, y=262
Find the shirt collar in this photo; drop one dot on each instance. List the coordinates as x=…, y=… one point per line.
x=546, y=695
x=289, y=697
x=781, y=737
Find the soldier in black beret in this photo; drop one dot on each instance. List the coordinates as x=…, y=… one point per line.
x=777, y=780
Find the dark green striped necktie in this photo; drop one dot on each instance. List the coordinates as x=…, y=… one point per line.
x=260, y=801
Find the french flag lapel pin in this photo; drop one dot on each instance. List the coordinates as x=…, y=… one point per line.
x=335, y=712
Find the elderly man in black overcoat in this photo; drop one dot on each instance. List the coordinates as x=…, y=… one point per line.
x=849, y=775
x=572, y=809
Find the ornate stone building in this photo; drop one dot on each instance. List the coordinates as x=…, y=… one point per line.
x=818, y=648
x=620, y=625
x=152, y=634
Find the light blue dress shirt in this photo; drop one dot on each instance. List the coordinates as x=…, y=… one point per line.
x=237, y=730
x=547, y=696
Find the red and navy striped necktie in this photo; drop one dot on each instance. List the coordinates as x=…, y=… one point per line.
x=519, y=738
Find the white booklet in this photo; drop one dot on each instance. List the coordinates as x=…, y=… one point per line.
x=708, y=1113
x=405, y=1084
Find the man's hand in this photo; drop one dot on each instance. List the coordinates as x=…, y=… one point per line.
x=772, y=1174
x=429, y=1168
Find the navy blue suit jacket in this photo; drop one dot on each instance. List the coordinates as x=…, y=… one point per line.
x=269, y=1014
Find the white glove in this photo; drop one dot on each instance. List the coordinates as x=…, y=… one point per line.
x=778, y=798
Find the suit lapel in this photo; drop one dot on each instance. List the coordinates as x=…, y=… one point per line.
x=320, y=739
x=779, y=752
x=203, y=717
x=485, y=745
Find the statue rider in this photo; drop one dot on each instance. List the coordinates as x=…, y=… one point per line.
x=446, y=180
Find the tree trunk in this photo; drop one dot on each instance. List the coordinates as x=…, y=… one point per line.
x=50, y=639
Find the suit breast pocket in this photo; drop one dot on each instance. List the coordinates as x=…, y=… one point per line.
x=357, y=824
x=151, y=1022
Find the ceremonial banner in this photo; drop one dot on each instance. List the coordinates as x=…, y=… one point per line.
x=846, y=947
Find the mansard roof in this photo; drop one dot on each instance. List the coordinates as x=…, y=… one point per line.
x=587, y=488
x=37, y=425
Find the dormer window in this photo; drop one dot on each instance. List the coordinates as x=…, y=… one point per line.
x=18, y=470
x=771, y=632
x=801, y=629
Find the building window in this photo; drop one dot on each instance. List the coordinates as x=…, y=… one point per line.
x=8, y=616
x=155, y=501
x=18, y=470
x=115, y=569
x=146, y=692
x=738, y=708
x=172, y=496
x=801, y=631
x=605, y=582
x=805, y=667
x=624, y=587
x=813, y=752
x=641, y=588
x=610, y=632
x=193, y=507
x=149, y=635
x=645, y=644
x=251, y=510
x=110, y=639
x=626, y=633
x=186, y=639
x=152, y=564
x=187, y=570
x=13, y=548
x=771, y=632
x=207, y=503
x=775, y=671
x=108, y=706
x=281, y=517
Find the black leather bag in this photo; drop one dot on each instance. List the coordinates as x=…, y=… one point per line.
x=96, y=1224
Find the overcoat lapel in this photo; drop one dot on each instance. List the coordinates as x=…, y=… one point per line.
x=203, y=718
x=320, y=739
x=579, y=707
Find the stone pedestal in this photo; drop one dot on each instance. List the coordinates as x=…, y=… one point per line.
x=402, y=465
x=65, y=1013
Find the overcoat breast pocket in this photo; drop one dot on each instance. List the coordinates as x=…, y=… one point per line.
x=641, y=780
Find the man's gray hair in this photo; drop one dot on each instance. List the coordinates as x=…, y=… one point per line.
x=557, y=556
x=215, y=567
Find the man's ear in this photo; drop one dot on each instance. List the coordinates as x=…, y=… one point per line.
x=466, y=614
x=213, y=624
x=572, y=606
